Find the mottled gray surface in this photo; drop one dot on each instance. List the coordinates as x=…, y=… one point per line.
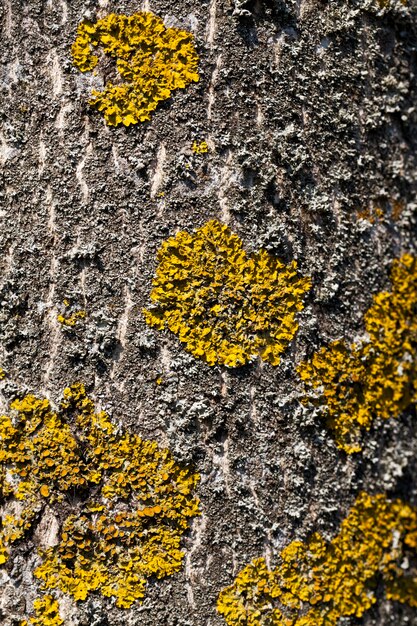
x=309, y=110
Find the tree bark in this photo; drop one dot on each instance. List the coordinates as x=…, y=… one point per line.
x=308, y=108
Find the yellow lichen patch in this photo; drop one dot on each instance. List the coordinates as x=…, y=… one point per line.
x=151, y=60
x=318, y=582
x=72, y=319
x=2, y=373
x=225, y=305
x=354, y=384
x=127, y=501
x=46, y=612
x=200, y=148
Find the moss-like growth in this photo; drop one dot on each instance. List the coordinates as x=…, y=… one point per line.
x=134, y=500
x=225, y=305
x=152, y=62
x=318, y=582
x=354, y=384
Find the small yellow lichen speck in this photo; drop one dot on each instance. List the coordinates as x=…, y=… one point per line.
x=225, y=305
x=72, y=319
x=200, y=148
x=354, y=384
x=318, y=582
x=152, y=61
x=372, y=214
x=129, y=501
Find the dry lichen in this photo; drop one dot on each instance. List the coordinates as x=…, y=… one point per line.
x=354, y=384
x=151, y=60
x=126, y=502
x=318, y=582
x=225, y=305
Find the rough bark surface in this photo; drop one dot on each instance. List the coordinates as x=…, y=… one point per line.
x=309, y=111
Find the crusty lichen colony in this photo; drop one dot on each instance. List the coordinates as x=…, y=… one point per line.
x=126, y=501
x=225, y=305
x=318, y=582
x=152, y=61
x=375, y=378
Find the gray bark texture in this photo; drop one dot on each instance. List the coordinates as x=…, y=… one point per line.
x=309, y=111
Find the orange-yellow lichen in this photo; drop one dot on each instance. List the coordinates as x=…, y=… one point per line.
x=134, y=500
x=151, y=60
x=382, y=210
x=318, y=582
x=354, y=384
x=372, y=213
x=225, y=305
